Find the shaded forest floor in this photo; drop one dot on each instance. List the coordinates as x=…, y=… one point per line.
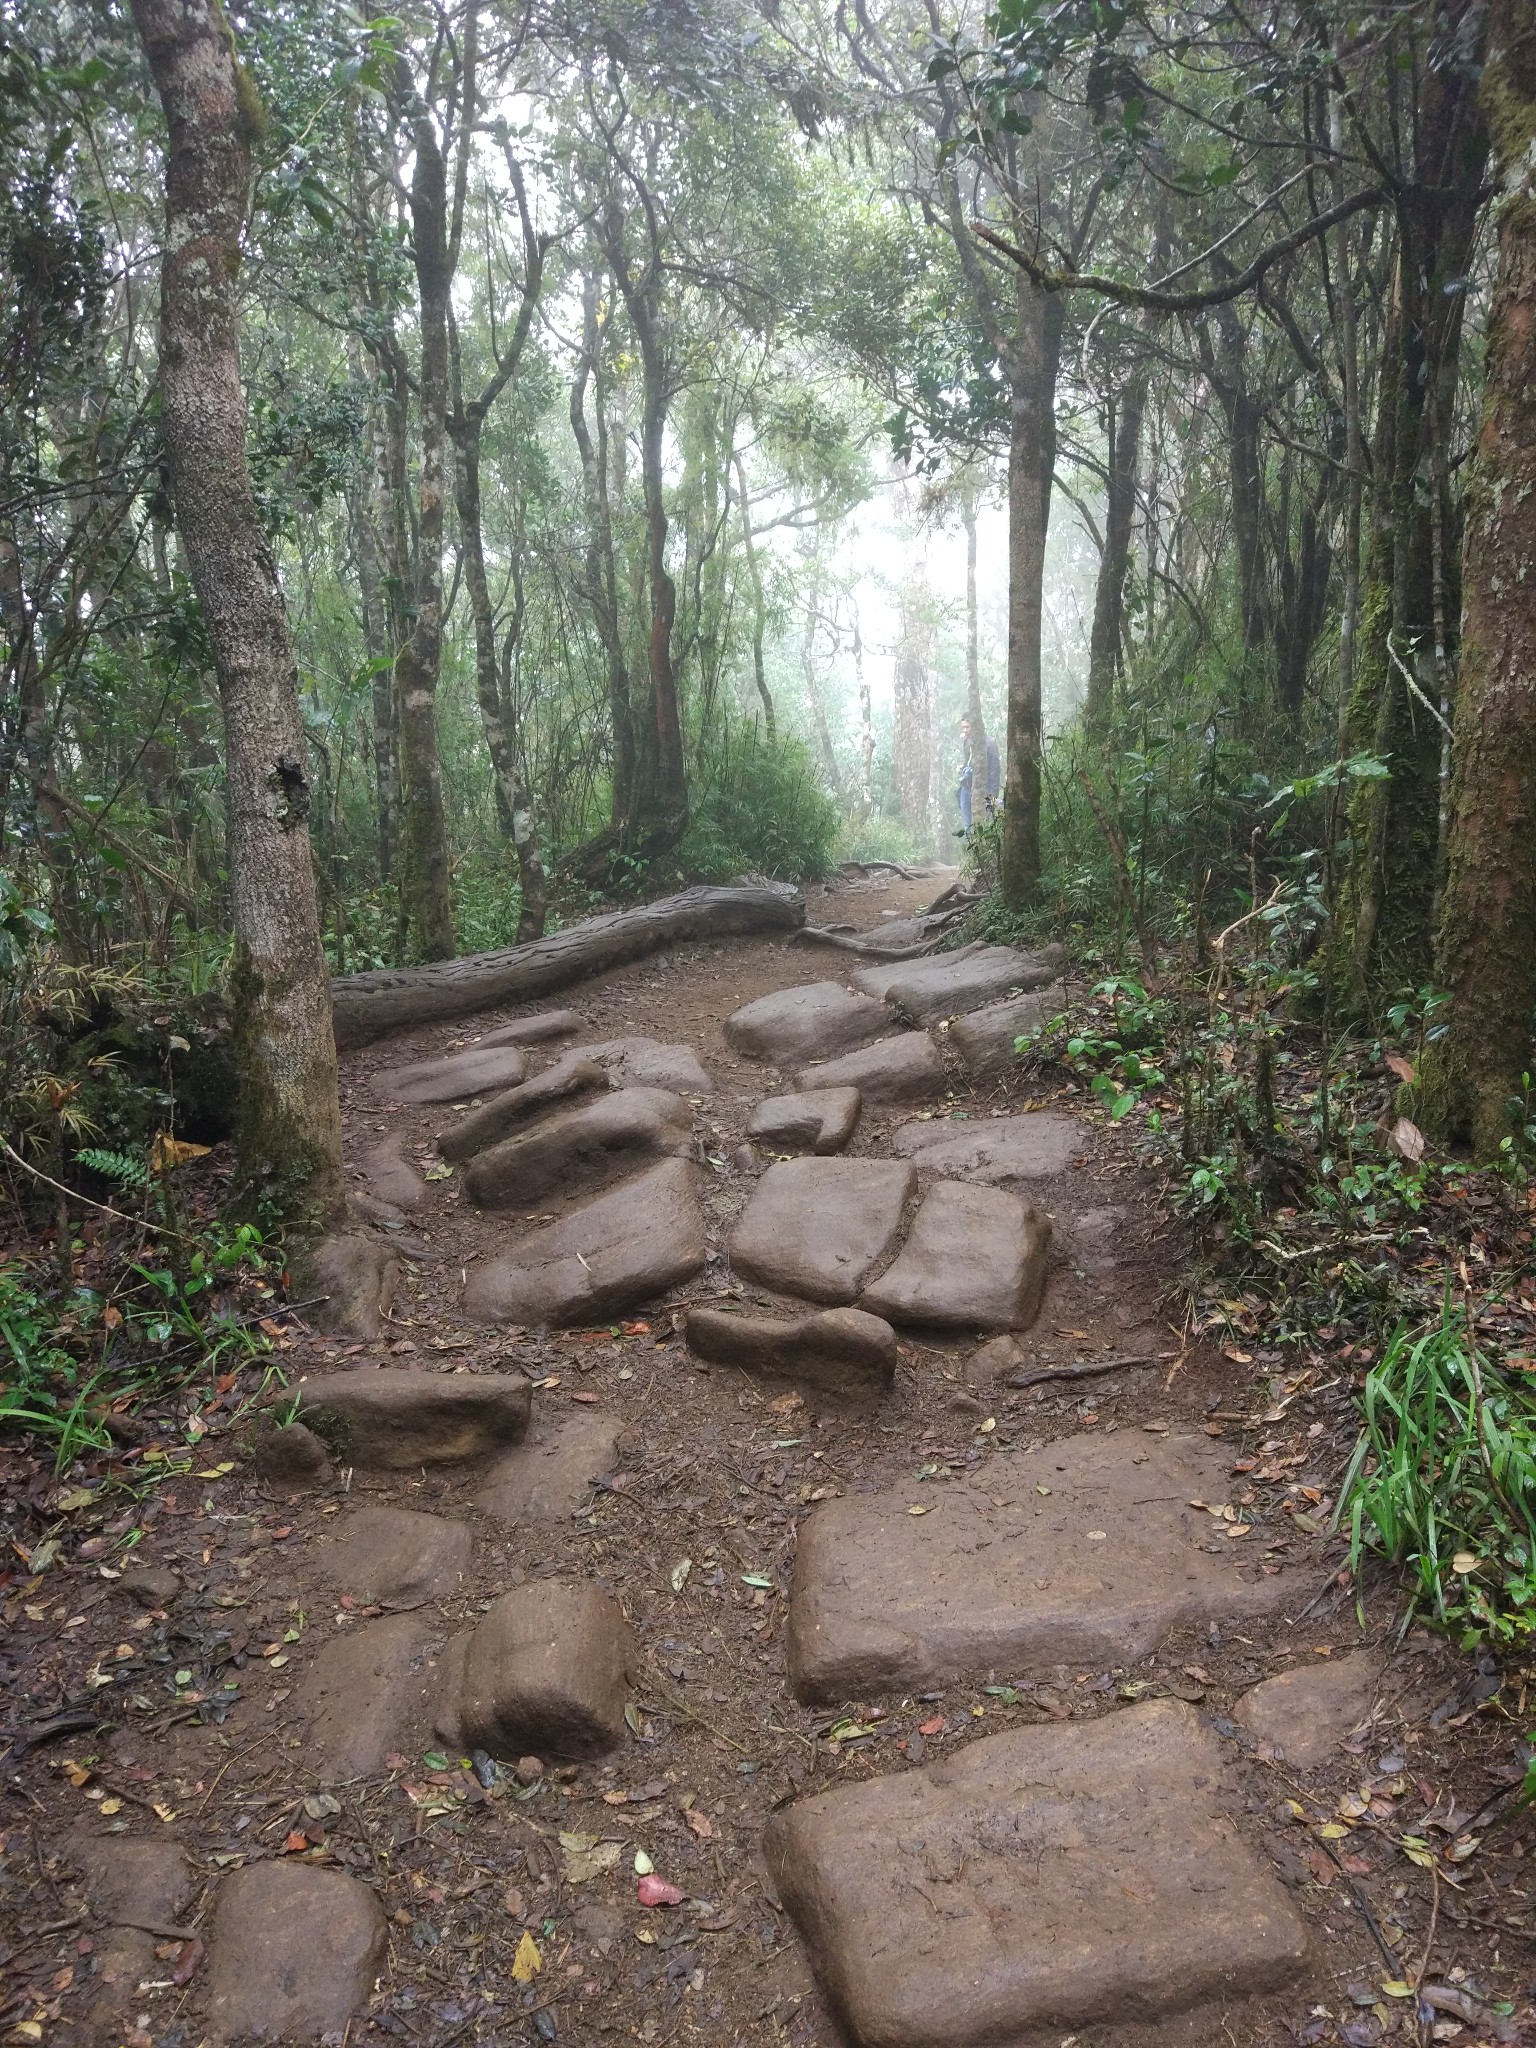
x=205, y=1746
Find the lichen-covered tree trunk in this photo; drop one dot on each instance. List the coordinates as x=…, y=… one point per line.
x=288, y=1129
x=1486, y=955
x=1107, y=636
x=1409, y=596
x=973, y=710
x=1036, y=357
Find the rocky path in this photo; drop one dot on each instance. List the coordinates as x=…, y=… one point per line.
x=686, y=1594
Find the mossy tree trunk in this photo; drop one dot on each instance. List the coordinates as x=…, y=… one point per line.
x=1486, y=955
x=1409, y=593
x=288, y=1126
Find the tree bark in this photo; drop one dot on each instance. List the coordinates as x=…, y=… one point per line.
x=1031, y=467
x=1407, y=586
x=288, y=1122
x=759, y=606
x=1106, y=638
x=369, y=1006
x=1475, y=1074
x=912, y=723
x=426, y=899
x=973, y=710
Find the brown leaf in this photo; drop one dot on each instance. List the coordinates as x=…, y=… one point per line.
x=1407, y=1140
x=699, y=1823
x=1403, y=1069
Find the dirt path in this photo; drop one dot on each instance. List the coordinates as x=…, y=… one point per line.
x=938, y=1705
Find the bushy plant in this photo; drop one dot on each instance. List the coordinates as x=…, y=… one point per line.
x=757, y=808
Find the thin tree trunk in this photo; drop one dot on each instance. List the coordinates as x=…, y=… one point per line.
x=815, y=701
x=425, y=879
x=1107, y=635
x=289, y=1127
x=380, y=652
x=1031, y=466
x=866, y=728
x=973, y=709
x=911, y=739
x=1474, y=1076
x=759, y=609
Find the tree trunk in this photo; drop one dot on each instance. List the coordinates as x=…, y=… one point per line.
x=380, y=652
x=759, y=607
x=866, y=729
x=1476, y=1073
x=1106, y=638
x=911, y=736
x=425, y=882
x=289, y=1130
x=816, y=702
x=1402, y=661
x=1031, y=466
x=1245, y=468
x=973, y=709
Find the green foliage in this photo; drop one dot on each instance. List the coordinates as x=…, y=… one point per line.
x=758, y=808
x=1443, y=1480
x=121, y=1167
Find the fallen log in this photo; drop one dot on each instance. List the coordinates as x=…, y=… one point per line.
x=384, y=999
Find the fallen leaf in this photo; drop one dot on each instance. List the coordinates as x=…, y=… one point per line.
x=643, y=1864
x=1404, y=1069
x=655, y=1891
x=71, y=1503
x=512, y=1902
x=587, y=1400
x=587, y=1857
x=1407, y=1140
x=699, y=1823
x=295, y=1844
x=680, y=1573
x=166, y=1152
x=527, y=1963
x=932, y=1726
x=188, y=1962
x=919, y=1511
x=110, y=1806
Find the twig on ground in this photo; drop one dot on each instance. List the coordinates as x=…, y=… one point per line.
x=1088, y=1368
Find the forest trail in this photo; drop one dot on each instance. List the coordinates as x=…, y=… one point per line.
x=617, y=1682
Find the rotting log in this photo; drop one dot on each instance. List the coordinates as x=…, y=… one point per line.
x=385, y=999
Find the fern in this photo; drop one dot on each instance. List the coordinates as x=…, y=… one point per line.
x=120, y=1167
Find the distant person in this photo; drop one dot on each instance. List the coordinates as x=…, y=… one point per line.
x=967, y=779
x=991, y=782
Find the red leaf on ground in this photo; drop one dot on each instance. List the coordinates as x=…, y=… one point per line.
x=655, y=1891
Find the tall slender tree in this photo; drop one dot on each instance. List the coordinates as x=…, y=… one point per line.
x=289, y=1127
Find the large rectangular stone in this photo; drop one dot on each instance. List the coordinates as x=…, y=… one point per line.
x=817, y=1227
x=1094, y=1556
x=1054, y=1877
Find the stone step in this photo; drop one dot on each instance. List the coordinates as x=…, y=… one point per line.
x=822, y=1121
x=649, y=1063
x=817, y=1228
x=534, y=1030
x=905, y=1068
x=146, y=1880
x=1306, y=1713
x=991, y=1149
x=550, y=1476
x=949, y=984
x=396, y=1421
x=347, y=1283
x=396, y=1557
x=986, y=1041
x=582, y=1149
x=1093, y=1558
x=454, y=1078
x=567, y=1080
x=814, y=1022
x=294, y=1954
x=544, y=1673
x=389, y=1176
x=842, y=1352
x=367, y=1693
x=626, y=1247
x=1040, y=1881
x=974, y=1259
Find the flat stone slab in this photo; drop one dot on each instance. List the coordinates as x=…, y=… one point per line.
x=647, y=1063
x=390, y=1177
x=906, y=1068
x=1051, y=1878
x=295, y=1952
x=550, y=1476
x=811, y=1023
x=455, y=1078
x=974, y=1259
x=842, y=1351
x=822, y=1121
x=533, y=1030
x=624, y=1248
x=949, y=984
x=367, y=1693
x=582, y=1149
x=566, y=1081
x=396, y=1557
x=347, y=1283
x=129, y=1879
x=544, y=1673
x=1308, y=1712
x=990, y=1149
x=818, y=1227
x=395, y=1421
x=1094, y=1558
x=290, y=1458
x=985, y=1040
